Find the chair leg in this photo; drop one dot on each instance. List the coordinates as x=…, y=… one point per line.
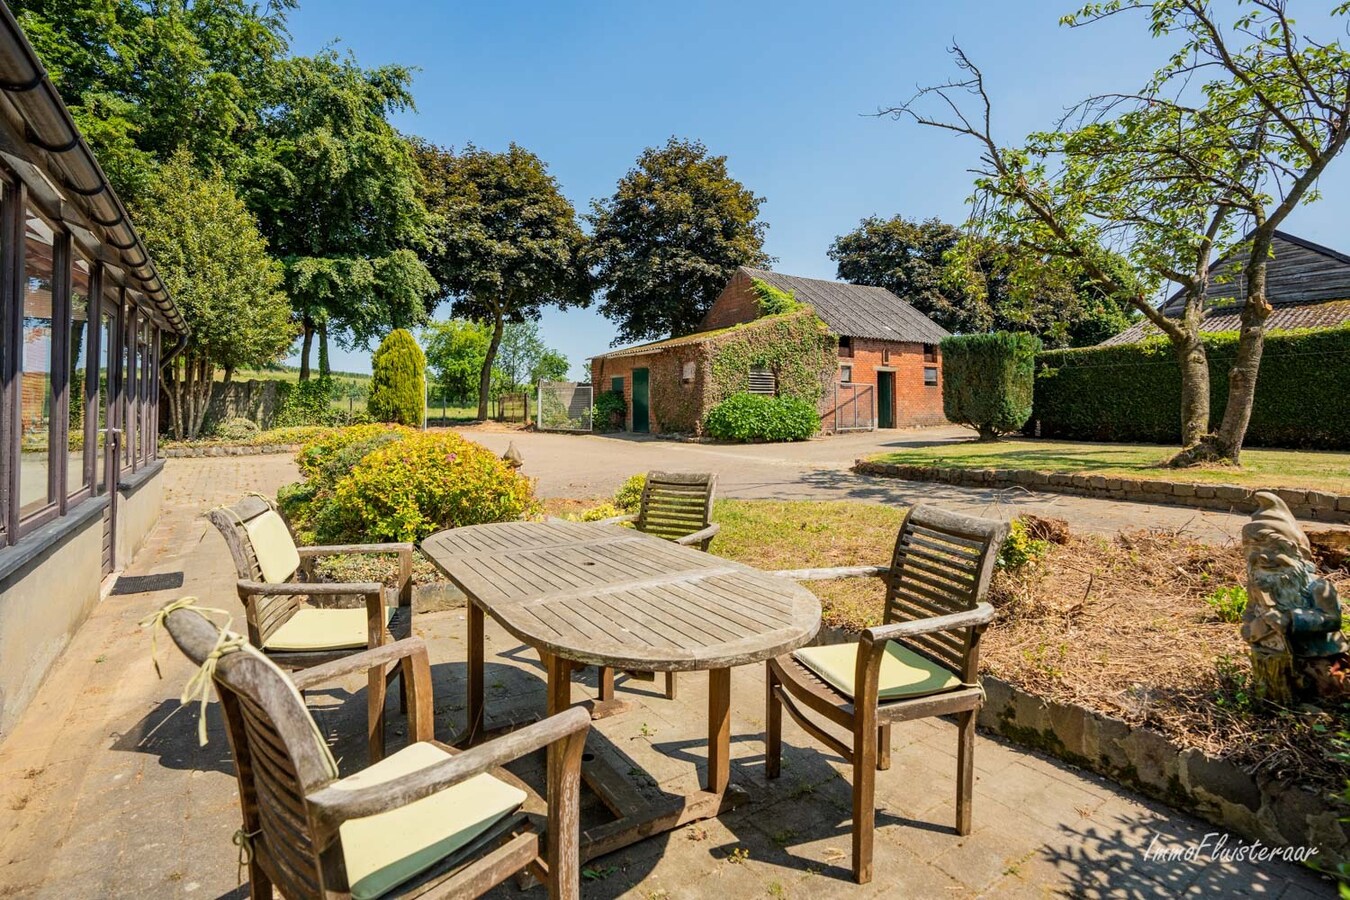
x=670, y=685
x=773, y=740
x=864, y=801
x=965, y=770
x=883, y=747
x=259, y=885
x=375, y=695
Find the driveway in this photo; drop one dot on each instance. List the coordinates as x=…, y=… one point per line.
x=582, y=466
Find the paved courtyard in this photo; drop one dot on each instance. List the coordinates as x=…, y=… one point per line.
x=105, y=792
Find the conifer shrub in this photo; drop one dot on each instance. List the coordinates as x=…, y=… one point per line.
x=988, y=379
x=398, y=380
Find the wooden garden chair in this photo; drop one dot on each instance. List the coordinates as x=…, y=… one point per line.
x=676, y=506
x=923, y=661
x=428, y=821
x=275, y=580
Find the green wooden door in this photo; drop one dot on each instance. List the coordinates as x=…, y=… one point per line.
x=885, y=399
x=640, y=401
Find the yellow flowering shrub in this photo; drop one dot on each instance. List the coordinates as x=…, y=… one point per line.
x=408, y=489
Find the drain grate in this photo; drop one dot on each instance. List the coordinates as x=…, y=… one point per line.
x=145, y=584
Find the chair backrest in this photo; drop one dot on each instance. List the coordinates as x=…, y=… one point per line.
x=279, y=754
x=265, y=614
x=943, y=563
x=675, y=504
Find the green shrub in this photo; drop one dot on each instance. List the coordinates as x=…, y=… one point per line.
x=987, y=380
x=1020, y=549
x=1228, y=603
x=1133, y=392
x=307, y=403
x=629, y=495
x=236, y=429
x=321, y=449
x=756, y=417
x=422, y=484
x=610, y=413
x=603, y=511
x=324, y=461
x=398, y=380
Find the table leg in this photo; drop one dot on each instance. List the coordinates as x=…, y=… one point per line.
x=719, y=730
x=475, y=687
x=559, y=683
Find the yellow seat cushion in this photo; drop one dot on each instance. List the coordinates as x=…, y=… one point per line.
x=273, y=546
x=385, y=850
x=323, y=629
x=904, y=673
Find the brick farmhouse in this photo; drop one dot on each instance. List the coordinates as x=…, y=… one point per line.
x=888, y=373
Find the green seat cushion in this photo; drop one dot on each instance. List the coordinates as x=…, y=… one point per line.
x=273, y=546
x=904, y=673
x=384, y=850
x=323, y=629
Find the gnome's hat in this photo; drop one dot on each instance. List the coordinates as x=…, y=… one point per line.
x=1274, y=521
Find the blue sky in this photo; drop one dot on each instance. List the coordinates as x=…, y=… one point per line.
x=784, y=89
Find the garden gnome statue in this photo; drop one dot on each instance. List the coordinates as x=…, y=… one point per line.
x=1293, y=617
x=512, y=456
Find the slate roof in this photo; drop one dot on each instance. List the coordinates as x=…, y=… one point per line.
x=856, y=310
x=1307, y=284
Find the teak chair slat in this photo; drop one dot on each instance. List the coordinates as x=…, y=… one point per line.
x=268, y=607
x=935, y=588
x=294, y=805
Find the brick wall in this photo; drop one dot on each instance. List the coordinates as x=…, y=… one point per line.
x=673, y=404
x=737, y=303
x=916, y=403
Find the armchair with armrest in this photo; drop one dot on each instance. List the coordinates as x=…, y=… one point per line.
x=427, y=821
x=922, y=661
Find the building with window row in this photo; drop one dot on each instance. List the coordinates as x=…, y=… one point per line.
x=85, y=323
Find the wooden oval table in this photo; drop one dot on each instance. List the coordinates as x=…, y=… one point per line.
x=582, y=592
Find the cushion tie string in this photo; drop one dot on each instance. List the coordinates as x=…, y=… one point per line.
x=198, y=687
x=244, y=841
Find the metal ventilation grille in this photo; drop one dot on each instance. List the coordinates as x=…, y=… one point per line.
x=762, y=381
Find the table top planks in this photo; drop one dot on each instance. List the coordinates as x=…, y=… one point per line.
x=611, y=596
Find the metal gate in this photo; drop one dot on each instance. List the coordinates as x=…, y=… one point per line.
x=564, y=406
x=854, y=407
x=513, y=408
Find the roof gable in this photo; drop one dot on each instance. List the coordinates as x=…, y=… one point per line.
x=856, y=310
x=1299, y=272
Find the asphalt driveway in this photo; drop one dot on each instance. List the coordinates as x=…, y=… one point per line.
x=583, y=466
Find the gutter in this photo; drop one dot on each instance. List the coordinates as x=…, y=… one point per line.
x=49, y=127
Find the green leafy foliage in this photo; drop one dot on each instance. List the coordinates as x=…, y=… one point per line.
x=610, y=412
x=236, y=429
x=1228, y=602
x=669, y=238
x=773, y=301
x=409, y=489
x=1132, y=392
x=987, y=381
x=1020, y=549
x=398, y=380
x=307, y=403
x=757, y=417
x=992, y=288
x=629, y=495
x=455, y=350
x=324, y=460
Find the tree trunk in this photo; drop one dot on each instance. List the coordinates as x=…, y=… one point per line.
x=229, y=375
x=307, y=324
x=1194, y=363
x=1237, y=413
x=485, y=377
x=323, y=349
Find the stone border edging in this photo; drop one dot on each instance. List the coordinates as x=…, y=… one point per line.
x=1320, y=506
x=1267, y=809
x=227, y=450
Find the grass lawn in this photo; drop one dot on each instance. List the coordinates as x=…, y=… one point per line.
x=1316, y=470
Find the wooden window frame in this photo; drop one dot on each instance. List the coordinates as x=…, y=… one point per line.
x=84, y=491
x=849, y=368
x=57, y=427
x=926, y=382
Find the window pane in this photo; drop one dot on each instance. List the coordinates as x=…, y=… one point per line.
x=128, y=424
x=35, y=482
x=143, y=407
x=77, y=474
x=106, y=343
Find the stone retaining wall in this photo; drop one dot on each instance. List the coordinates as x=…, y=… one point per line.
x=1318, y=506
x=1255, y=807
x=226, y=450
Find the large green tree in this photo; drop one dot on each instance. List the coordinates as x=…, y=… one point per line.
x=669, y=238
x=214, y=262
x=455, y=351
x=506, y=242
x=1000, y=291
x=337, y=193
x=144, y=79
x=1208, y=158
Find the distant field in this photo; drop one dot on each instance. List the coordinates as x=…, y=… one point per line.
x=357, y=403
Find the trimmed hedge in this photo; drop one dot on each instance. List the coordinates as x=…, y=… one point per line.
x=987, y=380
x=1133, y=392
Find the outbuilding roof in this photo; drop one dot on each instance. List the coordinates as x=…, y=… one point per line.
x=856, y=310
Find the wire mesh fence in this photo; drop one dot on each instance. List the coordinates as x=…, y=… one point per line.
x=513, y=407
x=564, y=406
